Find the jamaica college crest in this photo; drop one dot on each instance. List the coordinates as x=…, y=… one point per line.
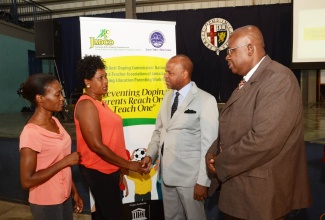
x=215, y=34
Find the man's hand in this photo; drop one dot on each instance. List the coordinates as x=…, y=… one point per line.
x=200, y=192
x=146, y=164
x=209, y=161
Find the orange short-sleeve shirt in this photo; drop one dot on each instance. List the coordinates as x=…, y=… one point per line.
x=50, y=147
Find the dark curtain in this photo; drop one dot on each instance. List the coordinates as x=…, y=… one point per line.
x=70, y=53
x=211, y=72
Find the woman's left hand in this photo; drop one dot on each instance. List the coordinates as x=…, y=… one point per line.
x=79, y=203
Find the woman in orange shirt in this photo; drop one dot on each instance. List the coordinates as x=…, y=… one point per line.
x=45, y=153
x=100, y=140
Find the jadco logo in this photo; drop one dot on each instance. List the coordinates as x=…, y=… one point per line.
x=102, y=39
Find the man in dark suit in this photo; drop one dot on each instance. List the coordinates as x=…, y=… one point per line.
x=259, y=156
x=181, y=139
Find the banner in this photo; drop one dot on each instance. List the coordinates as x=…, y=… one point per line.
x=135, y=53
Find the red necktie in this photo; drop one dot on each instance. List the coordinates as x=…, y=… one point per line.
x=241, y=84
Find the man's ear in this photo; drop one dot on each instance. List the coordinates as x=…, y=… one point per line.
x=185, y=74
x=250, y=49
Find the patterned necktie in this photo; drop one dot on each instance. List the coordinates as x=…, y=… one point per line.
x=241, y=84
x=175, y=104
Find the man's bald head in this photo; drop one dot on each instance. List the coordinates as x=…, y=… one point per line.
x=247, y=46
x=252, y=35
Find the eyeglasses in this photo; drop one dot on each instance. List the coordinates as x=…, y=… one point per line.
x=229, y=50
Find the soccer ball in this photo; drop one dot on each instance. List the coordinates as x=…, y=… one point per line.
x=139, y=154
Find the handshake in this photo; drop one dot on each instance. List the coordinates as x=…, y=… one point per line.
x=142, y=167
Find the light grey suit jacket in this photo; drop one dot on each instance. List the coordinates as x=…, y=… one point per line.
x=186, y=137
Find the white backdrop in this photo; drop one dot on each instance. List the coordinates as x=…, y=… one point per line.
x=135, y=52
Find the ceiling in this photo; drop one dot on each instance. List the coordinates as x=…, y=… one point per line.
x=61, y=8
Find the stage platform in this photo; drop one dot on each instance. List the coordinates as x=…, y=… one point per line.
x=12, y=124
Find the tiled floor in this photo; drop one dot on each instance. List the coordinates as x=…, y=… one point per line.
x=314, y=132
x=15, y=211
x=315, y=123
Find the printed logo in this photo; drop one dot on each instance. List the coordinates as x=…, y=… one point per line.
x=157, y=39
x=215, y=34
x=104, y=34
x=139, y=214
x=102, y=39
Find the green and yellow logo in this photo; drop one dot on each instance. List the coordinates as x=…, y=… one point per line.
x=102, y=39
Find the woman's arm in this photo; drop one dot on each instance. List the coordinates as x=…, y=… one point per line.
x=87, y=115
x=28, y=161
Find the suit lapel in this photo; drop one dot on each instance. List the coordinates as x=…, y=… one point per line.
x=236, y=94
x=166, y=106
x=187, y=100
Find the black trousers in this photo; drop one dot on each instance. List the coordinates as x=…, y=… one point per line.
x=106, y=191
x=63, y=211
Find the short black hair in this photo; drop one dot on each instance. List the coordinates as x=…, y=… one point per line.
x=88, y=66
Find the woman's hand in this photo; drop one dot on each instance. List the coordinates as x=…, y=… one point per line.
x=73, y=158
x=79, y=203
x=135, y=166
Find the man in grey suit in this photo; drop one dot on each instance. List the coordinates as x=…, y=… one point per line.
x=181, y=139
x=259, y=156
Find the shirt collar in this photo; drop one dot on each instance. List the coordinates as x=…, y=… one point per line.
x=183, y=91
x=251, y=72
